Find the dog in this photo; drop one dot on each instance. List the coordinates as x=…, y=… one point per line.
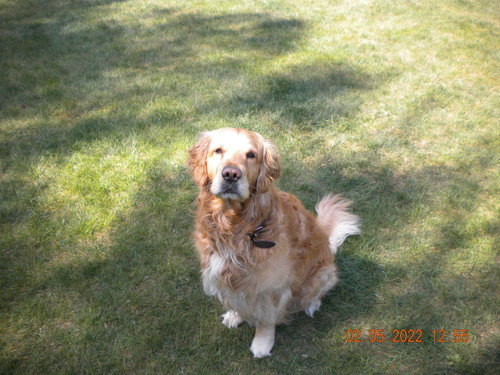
x=262, y=254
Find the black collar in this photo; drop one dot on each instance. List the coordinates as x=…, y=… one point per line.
x=262, y=244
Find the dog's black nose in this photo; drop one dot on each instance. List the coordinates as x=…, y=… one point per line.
x=231, y=174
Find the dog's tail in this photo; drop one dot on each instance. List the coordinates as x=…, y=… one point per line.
x=336, y=220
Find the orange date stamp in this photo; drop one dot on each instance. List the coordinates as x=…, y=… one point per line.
x=406, y=335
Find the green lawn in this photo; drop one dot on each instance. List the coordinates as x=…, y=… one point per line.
x=394, y=103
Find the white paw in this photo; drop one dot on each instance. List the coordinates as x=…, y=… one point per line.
x=312, y=307
x=261, y=348
x=231, y=319
x=263, y=342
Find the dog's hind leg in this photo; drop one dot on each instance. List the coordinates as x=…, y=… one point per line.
x=316, y=287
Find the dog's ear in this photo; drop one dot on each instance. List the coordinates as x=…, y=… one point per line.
x=270, y=168
x=198, y=160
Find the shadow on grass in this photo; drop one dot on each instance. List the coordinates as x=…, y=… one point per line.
x=426, y=293
x=137, y=296
x=308, y=96
x=50, y=66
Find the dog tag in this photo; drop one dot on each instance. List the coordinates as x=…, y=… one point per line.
x=261, y=244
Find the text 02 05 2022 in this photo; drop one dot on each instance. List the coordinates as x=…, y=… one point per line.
x=406, y=335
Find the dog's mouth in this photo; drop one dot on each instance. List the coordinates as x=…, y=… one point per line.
x=230, y=190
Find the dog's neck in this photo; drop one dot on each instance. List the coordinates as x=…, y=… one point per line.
x=230, y=225
x=231, y=205
x=232, y=215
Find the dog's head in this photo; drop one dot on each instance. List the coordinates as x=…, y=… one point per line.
x=234, y=163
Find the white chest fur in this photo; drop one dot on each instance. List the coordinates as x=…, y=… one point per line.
x=263, y=299
x=211, y=274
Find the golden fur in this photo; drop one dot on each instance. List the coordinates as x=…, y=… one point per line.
x=235, y=170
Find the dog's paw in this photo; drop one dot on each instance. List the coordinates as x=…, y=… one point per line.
x=261, y=347
x=263, y=341
x=231, y=319
x=312, y=307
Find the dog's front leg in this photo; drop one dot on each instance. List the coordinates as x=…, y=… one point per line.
x=263, y=341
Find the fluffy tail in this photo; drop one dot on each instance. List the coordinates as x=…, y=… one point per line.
x=336, y=220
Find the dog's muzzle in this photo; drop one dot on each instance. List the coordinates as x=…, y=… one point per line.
x=230, y=184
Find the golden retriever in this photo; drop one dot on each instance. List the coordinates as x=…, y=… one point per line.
x=262, y=253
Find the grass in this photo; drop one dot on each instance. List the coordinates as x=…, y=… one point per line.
x=393, y=103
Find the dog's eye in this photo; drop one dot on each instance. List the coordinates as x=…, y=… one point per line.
x=218, y=151
x=251, y=155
